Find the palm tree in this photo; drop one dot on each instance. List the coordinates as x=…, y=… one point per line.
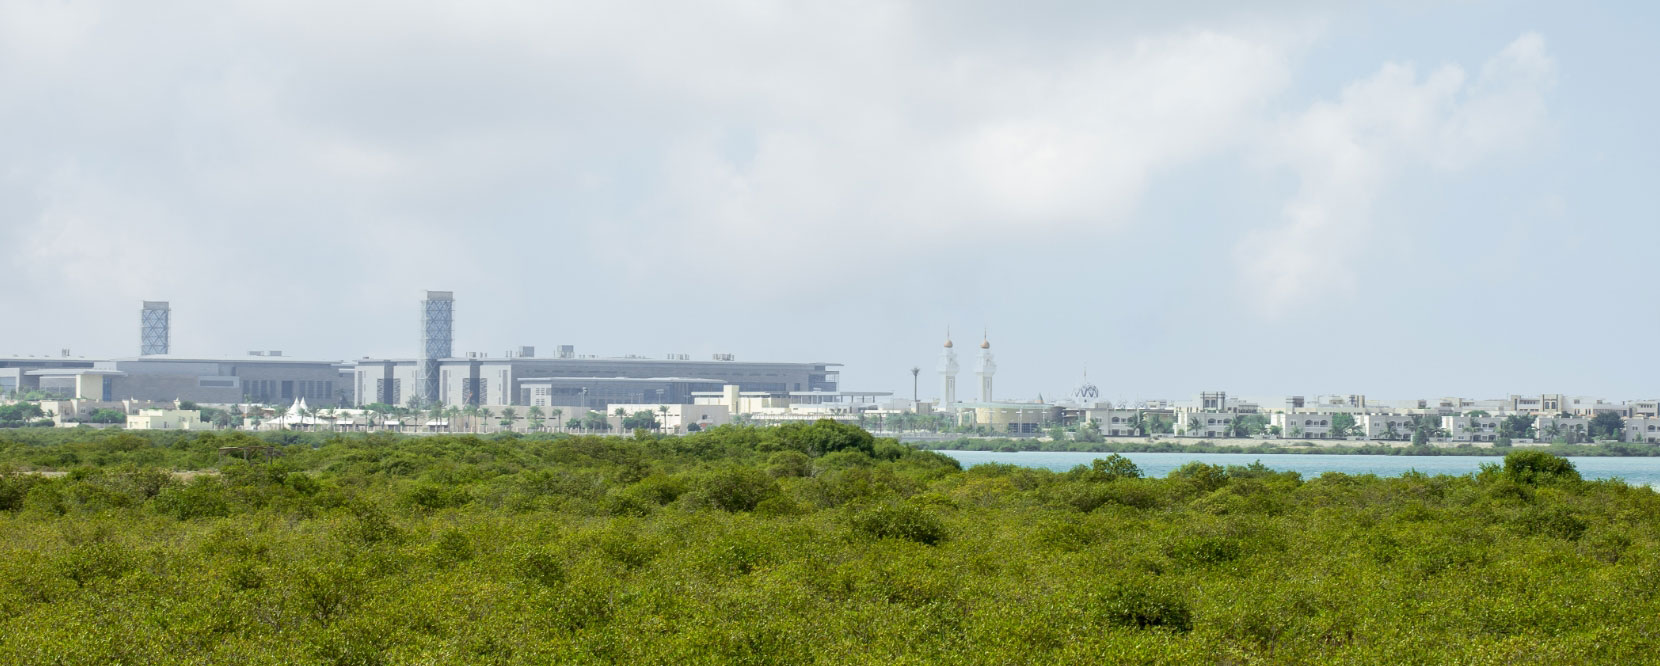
x=557, y=413
x=535, y=415
x=663, y=418
x=472, y=417
x=435, y=413
x=1554, y=430
x=508, y=414
x=620, y=414
x=484, y=412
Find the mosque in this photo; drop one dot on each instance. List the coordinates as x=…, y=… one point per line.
x=999, y=416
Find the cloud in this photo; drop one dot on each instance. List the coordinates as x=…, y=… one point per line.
x=689, y=130
x=1346, y=154
x=932, y=155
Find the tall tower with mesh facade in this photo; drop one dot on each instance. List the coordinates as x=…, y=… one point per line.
x=437, y=327
x=153, y=328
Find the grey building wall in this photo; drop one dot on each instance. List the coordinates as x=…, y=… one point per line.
x=499, y=382
x=598, y=393
x=14, y=371
x=229, y=381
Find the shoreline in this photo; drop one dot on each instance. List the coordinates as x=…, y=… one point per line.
x=1364, y=448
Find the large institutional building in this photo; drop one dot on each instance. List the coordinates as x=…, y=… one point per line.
x=435, y=376
x=523, y=379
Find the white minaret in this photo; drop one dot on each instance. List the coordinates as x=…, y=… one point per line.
x=948, y=375
x=985, y=368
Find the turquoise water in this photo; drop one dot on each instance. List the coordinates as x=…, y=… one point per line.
x=1637, y=471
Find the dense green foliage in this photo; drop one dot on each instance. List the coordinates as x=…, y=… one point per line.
x=20, y=414
x=1011, y=445
x=798, y=544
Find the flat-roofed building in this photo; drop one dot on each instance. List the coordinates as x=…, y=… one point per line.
x=167, y=419
x=674, y=418
x=1304, y=424
x=224, y=380
x=510, y=381
x=20, y=374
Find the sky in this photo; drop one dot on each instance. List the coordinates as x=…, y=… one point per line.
x=1403, y=199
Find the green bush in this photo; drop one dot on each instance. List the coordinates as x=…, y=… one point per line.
x=1538, y=467
x=738, y=489
x=826, y=436
x=539, y=565
x=1202, y=477
x=898, y=520
x=789, y=463
x=451, y=547
x=1110, y=468
x=1145, y=604
x=203, y=497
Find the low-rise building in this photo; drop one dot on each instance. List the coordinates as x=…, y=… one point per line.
x=1466, y=428
x=1385, y=426
x=1549, y=428
x=167, y=419
x=674, y=417
x=1009, y=417
x=1645, y=429
x=1315, y=424
x=1201, y=422
x=1113, y=422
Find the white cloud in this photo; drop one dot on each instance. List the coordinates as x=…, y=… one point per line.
x=932, y=154
x=374, y=121
x=359, y=152
x=1347, y=152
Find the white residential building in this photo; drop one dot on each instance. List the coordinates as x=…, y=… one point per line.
x=1113, y=422
x=1643, y=429
x=1304, y=424
x=1472, y=428
x=1550, y=427
x=1200, y=422
x=1396, y=424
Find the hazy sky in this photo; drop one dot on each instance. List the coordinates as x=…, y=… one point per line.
x=1403, y=199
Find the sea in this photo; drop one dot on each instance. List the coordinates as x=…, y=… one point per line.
x=1632, y=470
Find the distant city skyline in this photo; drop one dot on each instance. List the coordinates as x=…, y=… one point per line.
x=155, y=330
x=1405, y=201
